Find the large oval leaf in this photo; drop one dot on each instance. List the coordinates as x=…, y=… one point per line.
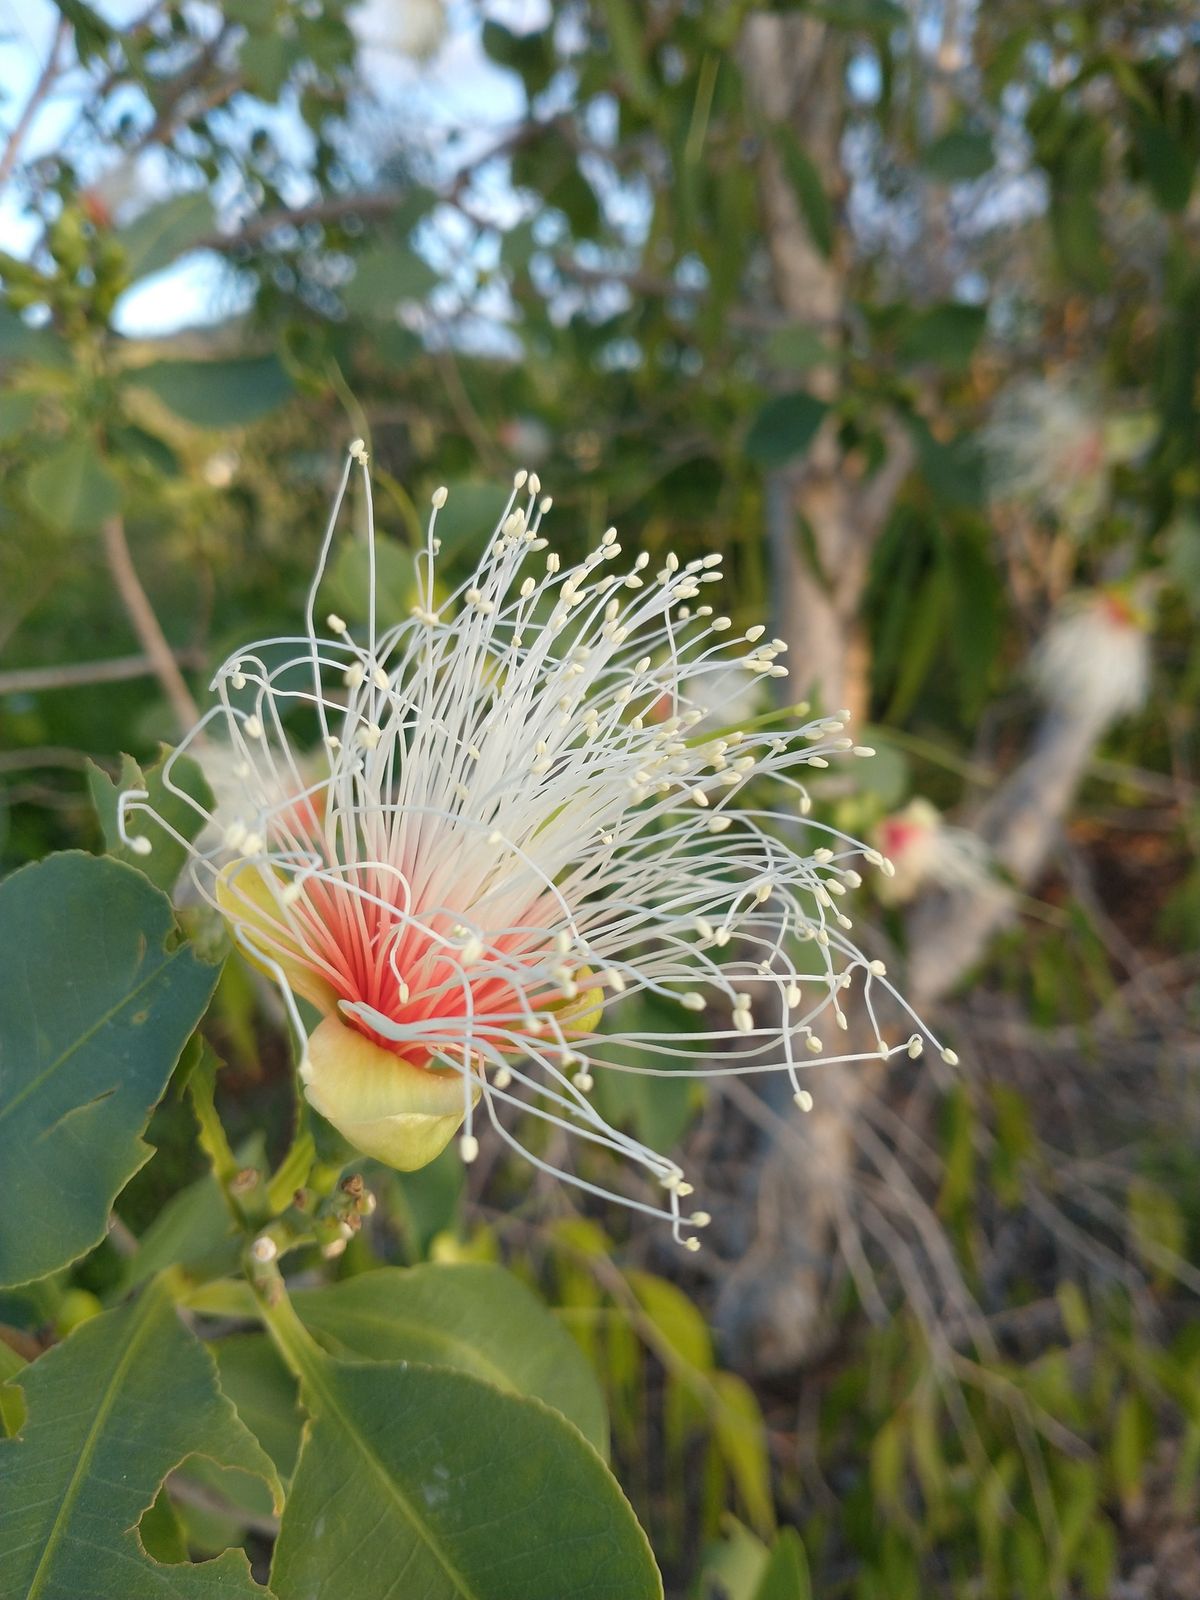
x=784, y=428
x=470, y=1316
x=217, y=394
x=419, y=1481
x=72, y=488
x=166, y=231
x=97, y=999
x=109, y=1413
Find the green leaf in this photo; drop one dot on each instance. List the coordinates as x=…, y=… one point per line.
x=625, y=35
x=887, y=776
x=733, y=1568
x=1157, y=1225
x=887, y=1462
x=872, y=15
x=1182, y=539
x=786, y=1576
x=110, y=1412
x=1077, y=170
x=470, y=1316
x=1073, y=1308
x=143, y=449
x=658, y=1110
x=530, y=55
x=958, y=1146
x=1166, y=162
x=467, y=1492
x=386, y=275
x=10, y=1362
x=71, y=487
x=16, y=412
x=97, y=1000
x=266, y=60
x=784, y=428
x=799, y=347
x=953, y=469
x=946, y=334
x=217, y=394
x=959, y=156
x=675, y=1319
x=976, y=618
x=423, y=1203
x=741, y=1436
x=193, y=1231
x=469, y=517
x=397, y=587
x=264, y=1392
x=810, y=191
x=165, y=860
x=166, y=231
x=92, y=33
x=19, y=341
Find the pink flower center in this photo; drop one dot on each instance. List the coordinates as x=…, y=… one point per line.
x=416, y=972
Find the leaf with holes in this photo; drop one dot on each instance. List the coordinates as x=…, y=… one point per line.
x=109, y=1413
x=97, y=1000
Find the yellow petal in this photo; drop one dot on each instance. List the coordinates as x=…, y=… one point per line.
x=582, y=1014
x=249, y=898
x=388, y=1108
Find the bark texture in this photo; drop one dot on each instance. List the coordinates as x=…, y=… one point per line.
x=822, y=527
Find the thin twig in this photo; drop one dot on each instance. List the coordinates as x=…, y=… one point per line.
x=37, y=94
x=146, y=624
x=81, y=674
x=190, y=1493
x=461, y=404
x=44, y=755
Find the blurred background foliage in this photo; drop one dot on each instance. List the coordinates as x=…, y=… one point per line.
x=897, y=304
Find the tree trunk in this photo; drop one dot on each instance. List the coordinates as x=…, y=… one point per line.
x=822, y=527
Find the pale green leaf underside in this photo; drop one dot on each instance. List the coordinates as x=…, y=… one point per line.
x=422, y=1482
x=110, y=1412
x=473, y=1317
x=94, y=1011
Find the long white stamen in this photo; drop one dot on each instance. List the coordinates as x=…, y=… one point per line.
x=514, y=820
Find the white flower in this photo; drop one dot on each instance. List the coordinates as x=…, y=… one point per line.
x=415, y=28
x=526, y=439
x=512, y=827
x=1050, y=446
x=1093, y=663
x=118, y=195
x=928, y=852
